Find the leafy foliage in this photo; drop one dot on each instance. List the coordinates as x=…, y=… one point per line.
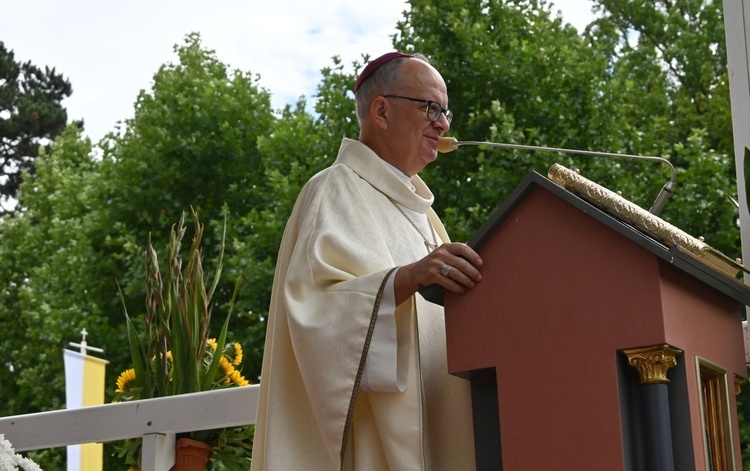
x=527, y=78
x=31, y=114
x=50, y=273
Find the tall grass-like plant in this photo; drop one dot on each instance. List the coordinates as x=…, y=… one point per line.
x=175, y=355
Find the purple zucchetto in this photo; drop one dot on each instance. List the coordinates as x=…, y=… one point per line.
x=373, y=65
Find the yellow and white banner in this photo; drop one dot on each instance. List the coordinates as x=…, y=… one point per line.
x=84, y=386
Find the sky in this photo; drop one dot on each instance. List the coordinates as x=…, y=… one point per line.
x=110, y=51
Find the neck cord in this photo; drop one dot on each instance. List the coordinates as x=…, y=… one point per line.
x=430, y=246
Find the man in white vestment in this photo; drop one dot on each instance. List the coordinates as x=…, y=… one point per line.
x=354, y=373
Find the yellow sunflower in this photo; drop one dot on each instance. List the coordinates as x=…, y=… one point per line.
x=226, y=368
x=238, y=379
x=237, y=353
x=123, y=382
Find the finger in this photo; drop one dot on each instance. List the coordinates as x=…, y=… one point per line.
x=459, y=277
x=443, y=277
x=463, y=271
x=462, y=250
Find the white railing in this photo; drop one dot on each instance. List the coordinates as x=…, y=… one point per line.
x=156, y=420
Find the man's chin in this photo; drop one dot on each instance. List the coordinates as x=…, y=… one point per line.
x=429, y=158
x=431, y=150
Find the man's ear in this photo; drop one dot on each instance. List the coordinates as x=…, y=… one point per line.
x=379, y=110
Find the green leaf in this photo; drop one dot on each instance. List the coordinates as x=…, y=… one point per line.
x=138, y=355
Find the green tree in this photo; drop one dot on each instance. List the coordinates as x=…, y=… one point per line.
x=48, y=269
x=516, y=73
x=31, y=114
x=685, y=40
x=669, y=75
x=192, y=141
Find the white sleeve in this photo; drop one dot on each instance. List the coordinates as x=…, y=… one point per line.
x=382, y=372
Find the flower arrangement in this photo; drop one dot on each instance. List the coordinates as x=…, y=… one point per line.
x=11, y=461
x=177, y=356
x=129, y=387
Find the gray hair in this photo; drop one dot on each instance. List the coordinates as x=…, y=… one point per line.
x=385, y=79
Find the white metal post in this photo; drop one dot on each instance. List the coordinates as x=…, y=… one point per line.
x=157, y=453
x=737, y=27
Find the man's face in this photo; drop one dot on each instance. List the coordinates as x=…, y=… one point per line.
x=413, y=135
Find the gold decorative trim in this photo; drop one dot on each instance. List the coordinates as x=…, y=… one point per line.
x=716, y=422
x=652, y=363
x=643, y=220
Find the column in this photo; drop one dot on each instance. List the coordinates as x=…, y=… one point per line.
x=652, y=364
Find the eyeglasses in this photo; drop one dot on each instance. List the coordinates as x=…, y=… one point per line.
x=433, y=110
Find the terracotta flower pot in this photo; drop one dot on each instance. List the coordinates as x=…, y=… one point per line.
x=191, y=455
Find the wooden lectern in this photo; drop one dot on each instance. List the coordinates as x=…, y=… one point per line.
x=601, y=337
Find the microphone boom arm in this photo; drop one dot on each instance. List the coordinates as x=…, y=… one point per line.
x=658, y=203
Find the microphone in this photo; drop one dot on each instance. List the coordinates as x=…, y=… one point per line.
x=449, y=144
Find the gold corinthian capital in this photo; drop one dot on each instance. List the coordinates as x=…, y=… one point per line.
x=653, y=362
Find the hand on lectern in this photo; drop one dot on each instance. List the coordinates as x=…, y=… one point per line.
x=454, y=266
